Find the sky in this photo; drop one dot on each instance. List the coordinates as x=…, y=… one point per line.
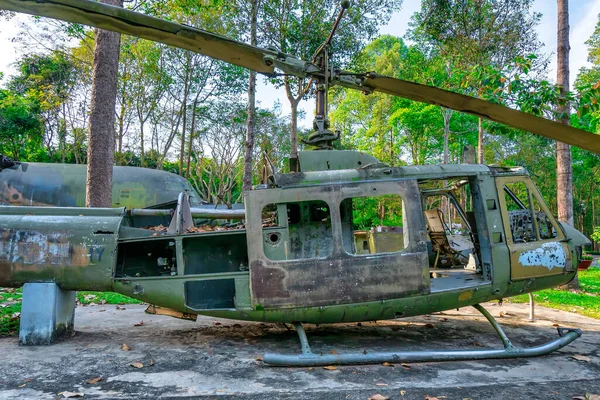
x=583, y=19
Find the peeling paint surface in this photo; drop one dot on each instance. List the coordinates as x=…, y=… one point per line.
x=550, y=255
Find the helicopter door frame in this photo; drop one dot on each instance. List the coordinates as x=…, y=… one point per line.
x=541, y=257
x=339, y=277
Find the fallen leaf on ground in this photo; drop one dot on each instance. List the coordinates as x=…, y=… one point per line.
x=95, y=380
x=405, y=365
x=217, y=323
x=139, y=323
x=259, y=358
x=70, y=394
x=310, y=368
x=402, y=393
x=330, y=368
x=555, y=325
x=102, y=310
x=387, y=364
x=118, y=307
x=333, y=352
x=378, y=397
x=381, y=384
x=430, y=326
x=427, y=397
x=137, y=365
x=579, y=357
x=23, y=385
x=152, y=362
x=124, y=347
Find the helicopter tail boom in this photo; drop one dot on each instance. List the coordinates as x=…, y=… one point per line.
x=72, y=247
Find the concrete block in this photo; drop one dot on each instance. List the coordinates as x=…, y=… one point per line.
x=47, y=313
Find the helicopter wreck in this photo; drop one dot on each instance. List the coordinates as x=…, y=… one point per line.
x=307, y=266
x=311, y=262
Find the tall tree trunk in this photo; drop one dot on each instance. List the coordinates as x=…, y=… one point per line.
x=186, y=89
x=102, y=117
x=142, y=152
x=480, y=158
x=564, y=172
x=250, y=124
x=182, y=149
x=191, y=139
x=446, y=115
x=294, y=137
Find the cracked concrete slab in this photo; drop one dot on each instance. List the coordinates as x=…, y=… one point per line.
x=217, y=358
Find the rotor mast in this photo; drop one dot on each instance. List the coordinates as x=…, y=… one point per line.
x=322, y=138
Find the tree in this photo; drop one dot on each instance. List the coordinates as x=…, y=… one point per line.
x=250, y=126
x=49, y=80
x=299, y=27
x=564, y=172
x=477, y=33
x=102, y=117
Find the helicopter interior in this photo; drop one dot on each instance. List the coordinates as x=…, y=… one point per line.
x=453, y=241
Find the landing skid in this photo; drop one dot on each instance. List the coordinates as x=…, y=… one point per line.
x=310, y=359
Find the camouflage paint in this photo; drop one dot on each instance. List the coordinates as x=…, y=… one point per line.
x=40, y=236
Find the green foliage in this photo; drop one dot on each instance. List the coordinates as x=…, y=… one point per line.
x=371, y=212
x=596, y=234
x=21, y=128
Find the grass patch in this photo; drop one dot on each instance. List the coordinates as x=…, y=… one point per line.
x=86, y=298
x=10, y=311
x=585, y=302
x=10, y=306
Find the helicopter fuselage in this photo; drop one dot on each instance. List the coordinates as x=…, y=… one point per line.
x=442, y=237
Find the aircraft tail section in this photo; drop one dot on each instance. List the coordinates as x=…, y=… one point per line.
x=73, y=247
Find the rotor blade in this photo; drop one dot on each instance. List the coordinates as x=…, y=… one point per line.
x=135, y=24
x=481, y=108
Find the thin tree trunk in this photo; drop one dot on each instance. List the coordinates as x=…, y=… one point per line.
x=294, y=137
x=191, y=140
x=480, y=159
x=446, y=114
x=250, y=124
x=182, y=149
x=184, y=111
x=102, y=117
x=142, y=152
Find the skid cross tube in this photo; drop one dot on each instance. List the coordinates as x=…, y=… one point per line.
x=310, y=359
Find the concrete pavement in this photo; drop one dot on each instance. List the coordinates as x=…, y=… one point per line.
x=216, y=358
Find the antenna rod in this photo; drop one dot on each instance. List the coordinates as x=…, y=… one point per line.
x=345, y=5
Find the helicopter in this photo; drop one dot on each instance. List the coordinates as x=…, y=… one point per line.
x=298, y=254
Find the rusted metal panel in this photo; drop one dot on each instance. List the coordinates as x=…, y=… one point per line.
x=338, y=278
x=536, y=257
x=73, y=247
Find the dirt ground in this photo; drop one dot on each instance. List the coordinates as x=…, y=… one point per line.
x=216, y=358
